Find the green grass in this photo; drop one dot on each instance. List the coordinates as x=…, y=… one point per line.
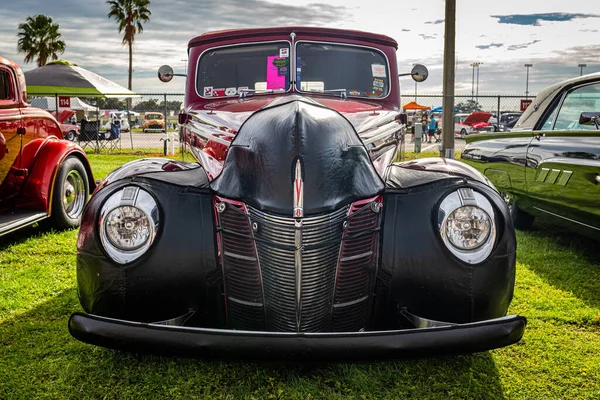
x=558, y=289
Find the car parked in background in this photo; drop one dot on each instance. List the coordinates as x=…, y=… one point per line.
x=475, y=122
x=154, y=121
x=120, y=116
x=42, y=176
x=69, y=129
x=296, y=236
x=549, y=165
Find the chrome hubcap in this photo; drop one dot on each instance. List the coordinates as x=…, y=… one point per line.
x=73, y=194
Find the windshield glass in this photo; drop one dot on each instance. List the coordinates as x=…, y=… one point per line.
x=257, y=67
x=326, y=67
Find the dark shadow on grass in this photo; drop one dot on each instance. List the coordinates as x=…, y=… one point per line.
x=564, y=259
x=39, y=356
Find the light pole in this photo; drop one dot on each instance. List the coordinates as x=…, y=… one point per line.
x=415, y=88
x=475, y=65
x=185, y=64
x=527, y=80
x=581, y=66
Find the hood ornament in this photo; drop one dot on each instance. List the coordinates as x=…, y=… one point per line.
x=298, y=191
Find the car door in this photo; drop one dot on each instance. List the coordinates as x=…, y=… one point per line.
x=10, y=129
x=563, y=162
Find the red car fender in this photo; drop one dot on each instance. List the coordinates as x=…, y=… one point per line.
x=37, y=192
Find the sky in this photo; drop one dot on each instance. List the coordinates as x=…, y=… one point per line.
x=553, y=35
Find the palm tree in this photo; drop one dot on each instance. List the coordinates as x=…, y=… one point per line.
x=130, y=14
x=39, y=37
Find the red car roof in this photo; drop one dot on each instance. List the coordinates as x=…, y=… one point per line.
x=215, y=36
x=477, y=116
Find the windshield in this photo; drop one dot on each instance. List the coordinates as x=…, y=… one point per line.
x=153, y=116
x=326, y=67
x=231, y=70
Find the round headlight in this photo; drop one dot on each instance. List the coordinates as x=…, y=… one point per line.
x=468, y=227
x=128, y=224
x=128, y=228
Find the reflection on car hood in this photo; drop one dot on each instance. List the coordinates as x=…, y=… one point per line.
x=230, y=114
x=477, y=116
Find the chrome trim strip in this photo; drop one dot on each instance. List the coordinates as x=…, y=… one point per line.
x=349, y=303
x=246, y=303
x=298, y=267
x=567, y=219
x=23, y=222
x=238, y=256
x=356, y=257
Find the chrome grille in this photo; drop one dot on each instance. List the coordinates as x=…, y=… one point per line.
x=321, y=236
x=337, y=269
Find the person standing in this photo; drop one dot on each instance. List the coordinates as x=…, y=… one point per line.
x=431, y=129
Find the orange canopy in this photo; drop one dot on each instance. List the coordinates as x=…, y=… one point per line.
x=414, y=106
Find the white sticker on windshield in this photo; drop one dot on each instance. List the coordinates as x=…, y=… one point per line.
x=230, y=91
x=208, y=91
x=378, y=70
x=284, y=53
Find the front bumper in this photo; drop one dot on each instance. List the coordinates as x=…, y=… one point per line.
x=284, y=346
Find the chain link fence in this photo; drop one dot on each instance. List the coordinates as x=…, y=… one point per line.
x=145, y=120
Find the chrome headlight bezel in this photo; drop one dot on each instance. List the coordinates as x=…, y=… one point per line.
x=467, y=197
x=128, y=196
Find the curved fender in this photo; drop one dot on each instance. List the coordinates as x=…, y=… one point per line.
x=446, y=165
x=158, y=168
x=43, y=166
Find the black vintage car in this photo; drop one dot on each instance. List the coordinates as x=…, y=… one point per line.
x=295, y=236
x=549, y=165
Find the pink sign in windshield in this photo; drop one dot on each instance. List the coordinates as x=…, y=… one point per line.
x=274, y=80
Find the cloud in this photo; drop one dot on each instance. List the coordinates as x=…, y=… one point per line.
x=589, y=30
x=488, y=46
x=436, y=22
x=427, y=37
x=405, y=30
x=534, y=19
x=522, y=45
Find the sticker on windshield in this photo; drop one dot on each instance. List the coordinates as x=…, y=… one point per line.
x=282, y=71
x=208, y=91
x=218, y=92
x=230, y=91
x=280, y=62
x=284, y=53
x=378, y=70
x=378, y=82
x=242, y=89
x=354, y=93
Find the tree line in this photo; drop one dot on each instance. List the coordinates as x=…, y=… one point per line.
x=39, y=37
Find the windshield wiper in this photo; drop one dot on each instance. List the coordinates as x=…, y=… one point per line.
x=343, y=92
x=244, y=92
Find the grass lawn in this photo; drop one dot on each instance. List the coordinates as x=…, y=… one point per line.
x=558, y=289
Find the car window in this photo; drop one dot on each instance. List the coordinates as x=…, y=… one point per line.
x=4, y=86
x=549, y=120
x=226, y=71
x=578, y=100
x=362, y=72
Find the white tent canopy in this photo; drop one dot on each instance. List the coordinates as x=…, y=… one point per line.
x=49, y=103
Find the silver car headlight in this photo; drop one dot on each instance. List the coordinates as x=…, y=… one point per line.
x=467, y=225
x=128, y=224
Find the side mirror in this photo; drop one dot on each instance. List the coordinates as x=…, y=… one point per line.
x=165, y=73
x=419, y=73
x=590, y=118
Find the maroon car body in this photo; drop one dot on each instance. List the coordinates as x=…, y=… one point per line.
x=41, y=175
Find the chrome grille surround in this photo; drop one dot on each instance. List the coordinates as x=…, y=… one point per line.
x=329, y=290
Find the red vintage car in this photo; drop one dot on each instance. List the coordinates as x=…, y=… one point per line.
x=42, y=176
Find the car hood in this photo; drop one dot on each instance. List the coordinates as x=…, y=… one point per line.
x=478, y=116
